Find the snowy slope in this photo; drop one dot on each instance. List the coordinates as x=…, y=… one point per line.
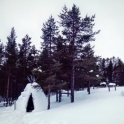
x=100, y=107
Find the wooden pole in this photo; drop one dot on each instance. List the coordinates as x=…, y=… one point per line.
x=14, y=105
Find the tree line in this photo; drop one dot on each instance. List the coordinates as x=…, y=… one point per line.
x=66, y=59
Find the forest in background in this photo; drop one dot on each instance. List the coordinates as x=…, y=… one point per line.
x=66, y=59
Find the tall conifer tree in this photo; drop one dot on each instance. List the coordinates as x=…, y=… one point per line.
x=77, y=30
x=50, y=31
x=23, y=62
x=11, y=59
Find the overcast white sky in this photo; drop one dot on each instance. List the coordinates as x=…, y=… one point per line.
x=28, y=16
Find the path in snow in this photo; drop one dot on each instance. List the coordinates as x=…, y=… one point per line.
x=9, y=116
x=19, y=118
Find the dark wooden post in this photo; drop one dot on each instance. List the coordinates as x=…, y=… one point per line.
x=57, y=96
x=60, y=95
x=68, y=93
x=88, y=87
x=108, y=87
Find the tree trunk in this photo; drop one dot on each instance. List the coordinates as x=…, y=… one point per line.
x=8, y=83
x=5, y=93
x=10, y=91
x=88, y=87
x=48, y=97
x=72, y=83
x=82, y=86
x=49, y=84
x=60, y=96
x=57, y=99
x=73, y=69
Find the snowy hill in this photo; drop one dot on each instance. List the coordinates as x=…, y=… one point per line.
x=100, y=107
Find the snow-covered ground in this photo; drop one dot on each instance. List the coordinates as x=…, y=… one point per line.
x=100, y=107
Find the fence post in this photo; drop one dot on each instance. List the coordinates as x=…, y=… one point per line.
x=15, y=105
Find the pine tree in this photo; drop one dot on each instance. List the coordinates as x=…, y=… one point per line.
x=110, y=71
x=104, y=69
x=11, y=59
x=1, y=53
x=32, y=59
x=24, y=61
x=88, y=65
x=119, y=73
x=34, y=54
x=59, y=67
x=50, y=31
x=77, y=31
x=2, y=80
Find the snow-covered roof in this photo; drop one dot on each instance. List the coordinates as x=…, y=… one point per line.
x=111, y=84
x=39, y=98
x=103, y=83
